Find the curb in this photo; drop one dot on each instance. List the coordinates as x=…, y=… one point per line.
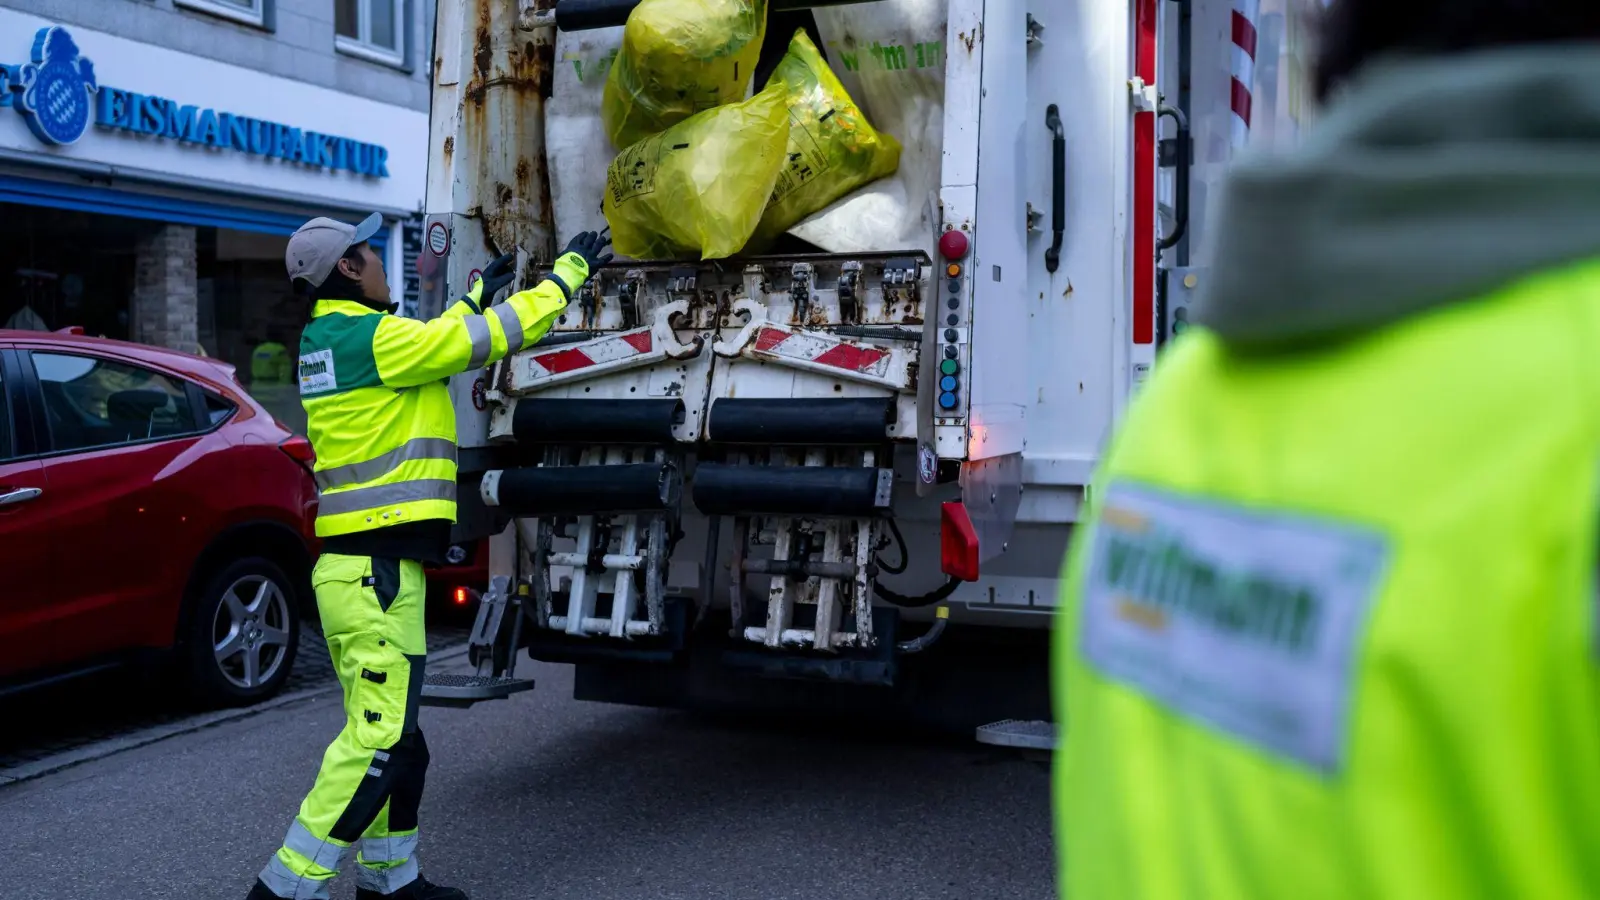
x=102, y=749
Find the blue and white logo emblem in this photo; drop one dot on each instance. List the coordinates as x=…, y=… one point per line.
x=56, y=87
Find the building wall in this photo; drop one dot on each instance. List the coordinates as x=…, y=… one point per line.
x=297, y=41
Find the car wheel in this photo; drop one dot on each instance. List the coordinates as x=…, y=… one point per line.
x=244, y=631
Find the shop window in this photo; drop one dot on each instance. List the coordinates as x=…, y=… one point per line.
x=92, y=402
x=250, y=12
x=375, y=29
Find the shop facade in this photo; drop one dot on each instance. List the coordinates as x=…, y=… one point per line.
x=147, y=193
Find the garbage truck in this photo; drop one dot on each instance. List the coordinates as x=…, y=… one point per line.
x=843, y=471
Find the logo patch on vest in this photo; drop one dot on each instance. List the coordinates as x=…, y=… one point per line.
x=316, y=373
x=1245, y=620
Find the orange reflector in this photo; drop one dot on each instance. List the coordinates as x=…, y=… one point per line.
x=952, y=270
x=461, y=596
x=958, y=542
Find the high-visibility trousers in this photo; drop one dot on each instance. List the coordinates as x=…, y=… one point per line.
x=371, y=780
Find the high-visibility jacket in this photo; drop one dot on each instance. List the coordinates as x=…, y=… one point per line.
x=378, y=412
x=1329, y=629
x=269, y=364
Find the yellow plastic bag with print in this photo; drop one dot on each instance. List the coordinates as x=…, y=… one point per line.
x=832, y=148
x=678, y=58
x=701, y=186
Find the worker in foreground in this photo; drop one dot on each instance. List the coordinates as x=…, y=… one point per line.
x=380, y=419
x=1330, y=632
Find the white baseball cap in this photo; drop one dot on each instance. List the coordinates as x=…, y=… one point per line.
x=315, y=247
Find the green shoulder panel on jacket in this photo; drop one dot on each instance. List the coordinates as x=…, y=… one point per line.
x=336, y=355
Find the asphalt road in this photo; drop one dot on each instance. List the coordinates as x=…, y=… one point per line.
x=545, y=797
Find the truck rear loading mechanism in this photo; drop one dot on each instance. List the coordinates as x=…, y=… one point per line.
x=714, y=478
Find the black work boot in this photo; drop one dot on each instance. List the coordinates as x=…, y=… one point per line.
x=260, y=892
x=421, y=889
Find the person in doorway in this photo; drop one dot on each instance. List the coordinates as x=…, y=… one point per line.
x=1329, y=627
x=381, y=422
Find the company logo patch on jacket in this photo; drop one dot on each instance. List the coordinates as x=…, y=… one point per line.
x=1243, y=619
x=316, y=373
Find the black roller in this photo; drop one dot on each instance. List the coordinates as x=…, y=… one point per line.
x=851, y=420
x=725, y=490
x=586, y=15
x=589, y=490
x=542, y=421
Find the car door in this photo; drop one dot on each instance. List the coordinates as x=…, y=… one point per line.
x=118, y=438
x=26, y=571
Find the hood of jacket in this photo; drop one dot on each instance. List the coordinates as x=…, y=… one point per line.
x=1429, y=182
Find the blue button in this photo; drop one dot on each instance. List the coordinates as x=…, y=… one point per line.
x=947, y=400
x=947, y=383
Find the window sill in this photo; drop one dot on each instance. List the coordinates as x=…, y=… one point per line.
x=243, y=17
x=371, y=54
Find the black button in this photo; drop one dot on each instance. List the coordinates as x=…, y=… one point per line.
x=955, y=286
x=955, y=303
x=950, y=352
x=950, y=335
x=952, y=319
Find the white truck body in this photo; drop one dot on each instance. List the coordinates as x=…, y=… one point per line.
x=1046, y=356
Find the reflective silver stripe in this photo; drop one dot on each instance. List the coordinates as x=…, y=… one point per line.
x=381, y=755
x=511, y=324
x=385, y=495
x=478, y=330
x=387, y=881
x=374, y=772
x=326, y=854
x=391, y=849
x=279, y=880
x=383, y=464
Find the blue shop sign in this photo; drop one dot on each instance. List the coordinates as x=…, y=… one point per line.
x=57, y=94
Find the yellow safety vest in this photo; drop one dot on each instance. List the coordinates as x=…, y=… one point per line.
x=1329, y=629
x=378, y=411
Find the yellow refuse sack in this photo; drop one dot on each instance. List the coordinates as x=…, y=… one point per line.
x=699, y=187
x=678, y=58
x=832, y=148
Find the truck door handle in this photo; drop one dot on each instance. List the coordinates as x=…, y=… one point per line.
x=1185, y=154
x=1058, y=186
x=20, y=495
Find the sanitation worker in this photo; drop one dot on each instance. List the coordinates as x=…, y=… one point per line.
x=381, y=422
x=1329, y=629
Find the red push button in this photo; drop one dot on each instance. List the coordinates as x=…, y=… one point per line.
x=953, y=245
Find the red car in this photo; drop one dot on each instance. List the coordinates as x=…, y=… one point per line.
x=147, y=503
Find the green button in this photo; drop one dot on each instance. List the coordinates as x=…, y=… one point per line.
x=949, y=367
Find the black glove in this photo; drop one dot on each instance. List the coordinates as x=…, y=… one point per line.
x=496, y=276
x=591, y=246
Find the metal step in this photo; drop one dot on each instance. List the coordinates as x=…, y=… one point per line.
x=1027, y=735
x=461, y=691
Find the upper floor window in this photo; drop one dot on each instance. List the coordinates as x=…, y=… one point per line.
x=250, y=12
x=371, y=28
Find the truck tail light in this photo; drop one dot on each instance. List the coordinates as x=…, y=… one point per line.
x=298, y=448
x=461, y=596
x=958, y=542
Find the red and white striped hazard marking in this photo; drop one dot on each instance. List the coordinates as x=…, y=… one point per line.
x=822, y=352
x=800, y=345
x=1245, y=15
x=602, y=352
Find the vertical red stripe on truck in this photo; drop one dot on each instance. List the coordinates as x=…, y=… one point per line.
x=1244, y=34
x=1242, y=101
x=1144, y=181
